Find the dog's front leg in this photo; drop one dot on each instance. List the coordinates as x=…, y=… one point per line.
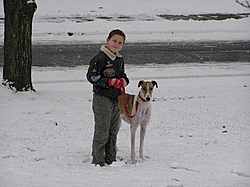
x=133, y=133
x=144, y=124
x=142, y=136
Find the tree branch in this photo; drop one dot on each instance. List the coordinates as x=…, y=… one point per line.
x=247, y=5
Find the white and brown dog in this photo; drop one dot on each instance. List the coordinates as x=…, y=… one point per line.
x=136, y=111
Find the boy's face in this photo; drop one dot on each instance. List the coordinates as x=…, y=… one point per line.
x=115, y=43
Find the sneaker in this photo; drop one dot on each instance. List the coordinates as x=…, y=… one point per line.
x=107, y=161
x=101, y=164
x=118, y=164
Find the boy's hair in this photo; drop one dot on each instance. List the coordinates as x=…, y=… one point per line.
x=117, y=31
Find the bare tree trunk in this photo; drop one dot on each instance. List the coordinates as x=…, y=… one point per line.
x=17, y=44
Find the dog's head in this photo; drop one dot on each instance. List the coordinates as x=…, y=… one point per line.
x=147, y=89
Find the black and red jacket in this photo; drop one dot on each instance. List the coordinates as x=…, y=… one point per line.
x=103, y=66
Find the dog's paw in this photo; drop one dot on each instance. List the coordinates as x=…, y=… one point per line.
x=144, y=158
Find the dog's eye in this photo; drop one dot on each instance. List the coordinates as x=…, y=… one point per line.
x=150, y=89
x=144, y=88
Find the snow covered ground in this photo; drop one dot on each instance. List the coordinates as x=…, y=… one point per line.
x=91, y=20
x=198, y=136
x=199, y=133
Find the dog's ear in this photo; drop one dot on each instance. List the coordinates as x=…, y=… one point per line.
x=155, y=84
x=140, y=83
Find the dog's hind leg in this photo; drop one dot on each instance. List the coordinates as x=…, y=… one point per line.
x=142, y=136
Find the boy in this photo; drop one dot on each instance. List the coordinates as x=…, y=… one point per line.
x=107, y=74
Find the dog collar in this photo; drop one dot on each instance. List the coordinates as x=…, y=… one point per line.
x=140, y=99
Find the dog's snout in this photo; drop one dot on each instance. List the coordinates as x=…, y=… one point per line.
x=148, y=98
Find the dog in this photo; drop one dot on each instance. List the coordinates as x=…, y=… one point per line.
x=136, y=111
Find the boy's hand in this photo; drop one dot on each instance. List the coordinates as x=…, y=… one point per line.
x=117, y=83
x=123, y=82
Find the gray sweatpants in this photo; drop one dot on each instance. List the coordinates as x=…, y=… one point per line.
x=106, y=116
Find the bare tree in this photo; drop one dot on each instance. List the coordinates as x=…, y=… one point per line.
x=17, y=44
x=247, y=5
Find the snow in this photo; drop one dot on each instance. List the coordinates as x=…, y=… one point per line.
x=54, y=19
x=46, y=136
x=199, y=132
